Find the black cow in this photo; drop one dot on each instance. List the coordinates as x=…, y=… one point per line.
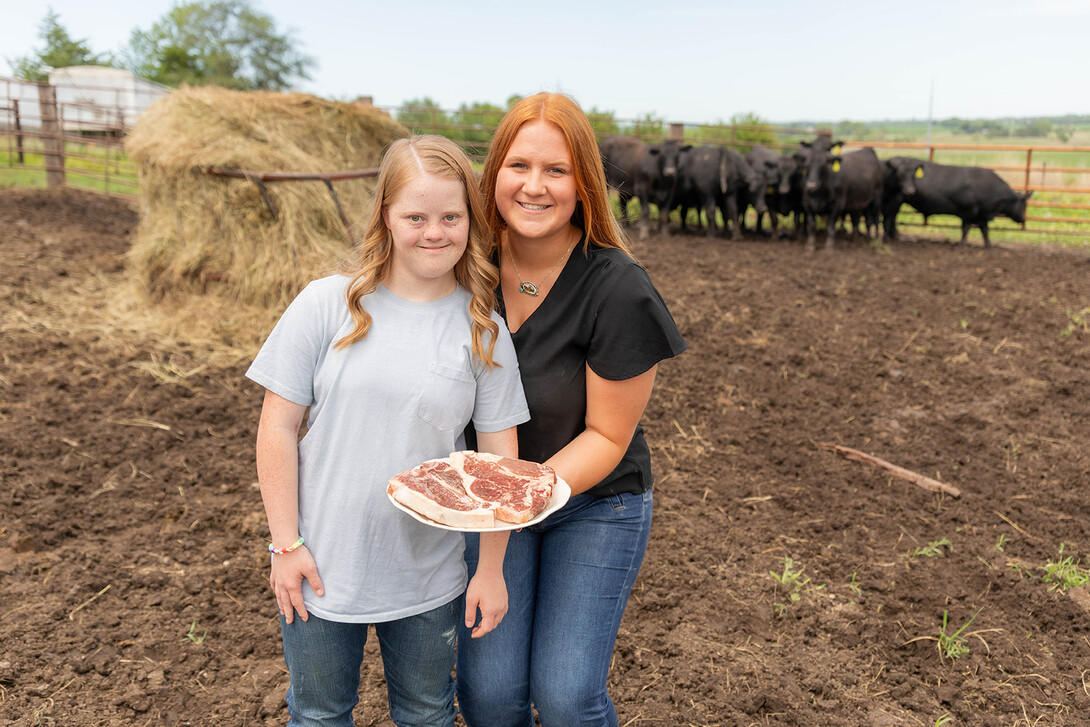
x=899, y=180
x=777, y=172
x=745, y=188
x=702, y=183
x=645, y=171
x=974, y=194
x=714, y=178
x=838, y=184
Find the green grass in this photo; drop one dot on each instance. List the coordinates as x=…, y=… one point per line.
x=88, y=165
x=1065, y=573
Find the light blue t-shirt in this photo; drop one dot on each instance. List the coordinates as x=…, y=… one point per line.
x=402, y=395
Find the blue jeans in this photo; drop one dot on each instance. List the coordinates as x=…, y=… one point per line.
x=568, y=582
x=324, y=659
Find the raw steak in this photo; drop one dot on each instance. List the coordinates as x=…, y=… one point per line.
x=473, y=490
x=517, y=489
x=435, y=490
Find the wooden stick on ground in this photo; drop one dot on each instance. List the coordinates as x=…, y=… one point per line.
x=914, y=477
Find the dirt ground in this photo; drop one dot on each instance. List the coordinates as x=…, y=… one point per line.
x=784, y=585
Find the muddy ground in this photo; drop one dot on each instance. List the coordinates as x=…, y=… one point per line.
x=133, y=577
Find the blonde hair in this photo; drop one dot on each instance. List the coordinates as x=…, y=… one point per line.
x=592, y=212
x=371, y=258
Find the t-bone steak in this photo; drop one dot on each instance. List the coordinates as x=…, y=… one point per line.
x=517, y=489
x=435, y=490
x=473, y=489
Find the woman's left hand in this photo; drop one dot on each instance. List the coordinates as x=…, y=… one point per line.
x=487, y=590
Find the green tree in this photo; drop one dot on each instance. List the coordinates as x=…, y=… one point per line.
x=223, y=43
x=423, y=116
x=649, y=127
x=855, y=130
x=749, y=131
x=476, y=123
x=61, y=51
x=603, y=122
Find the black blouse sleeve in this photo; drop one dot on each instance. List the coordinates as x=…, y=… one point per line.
x=633, y=329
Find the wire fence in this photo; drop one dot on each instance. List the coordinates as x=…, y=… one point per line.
x=71, y=133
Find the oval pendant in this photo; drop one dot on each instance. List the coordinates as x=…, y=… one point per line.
x=527, y=287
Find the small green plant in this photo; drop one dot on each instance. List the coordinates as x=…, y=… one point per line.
x=192, y=635
x=1065, y=573
x=792, y=581
x=954, y=645
x=854, y=585
x=933, y=549
x=1076, y=321
x=943, y=719
x=1001, y=542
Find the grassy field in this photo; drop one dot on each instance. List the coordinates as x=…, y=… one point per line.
x=88, y=165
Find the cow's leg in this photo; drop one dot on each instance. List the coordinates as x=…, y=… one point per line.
x=709, y=212
x=965, y=227
x=830, y=226
x=984, y=232
x=735, y=222
x=889, y=222
x=809, y=223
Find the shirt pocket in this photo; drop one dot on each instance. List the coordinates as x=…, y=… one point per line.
x=448, y=399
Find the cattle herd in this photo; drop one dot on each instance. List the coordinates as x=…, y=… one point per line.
x=815, y=182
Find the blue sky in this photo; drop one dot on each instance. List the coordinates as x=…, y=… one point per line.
x=686, y=61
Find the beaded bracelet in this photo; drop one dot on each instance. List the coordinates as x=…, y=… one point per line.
x=287, y=548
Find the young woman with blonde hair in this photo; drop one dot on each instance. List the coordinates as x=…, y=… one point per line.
x=393, y=357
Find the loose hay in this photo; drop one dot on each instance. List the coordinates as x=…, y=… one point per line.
x=200, y=234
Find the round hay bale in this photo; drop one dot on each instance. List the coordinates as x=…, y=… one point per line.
x=201, y=234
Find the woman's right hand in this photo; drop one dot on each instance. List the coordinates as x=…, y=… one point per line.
x=286, y=579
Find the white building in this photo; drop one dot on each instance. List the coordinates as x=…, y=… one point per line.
x=101, y=99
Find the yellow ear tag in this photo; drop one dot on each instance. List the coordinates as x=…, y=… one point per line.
x=771, y=190
x=836, y=149
x=919, y=172
x=836, y=166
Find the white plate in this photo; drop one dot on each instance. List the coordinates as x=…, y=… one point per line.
x=561, y=493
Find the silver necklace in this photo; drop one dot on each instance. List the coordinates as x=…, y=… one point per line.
x=525, y=286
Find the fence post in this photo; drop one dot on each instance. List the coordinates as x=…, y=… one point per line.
x=52, y=136
x=18, y=130
x=1025, y=187
x=677, y=131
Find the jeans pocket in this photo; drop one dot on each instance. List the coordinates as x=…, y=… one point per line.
x=448, y=397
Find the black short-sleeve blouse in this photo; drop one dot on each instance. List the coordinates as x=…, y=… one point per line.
x=603, y=310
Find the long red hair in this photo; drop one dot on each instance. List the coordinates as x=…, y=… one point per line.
x=593, y=212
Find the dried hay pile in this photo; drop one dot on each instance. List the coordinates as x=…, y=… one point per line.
x=203, y=234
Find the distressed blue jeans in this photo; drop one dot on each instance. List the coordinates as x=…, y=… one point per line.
x=568, y=582
x=324, y=659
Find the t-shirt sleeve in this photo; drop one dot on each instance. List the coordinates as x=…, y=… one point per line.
x=286, y=363
x=500, y=402
x=633, y=328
